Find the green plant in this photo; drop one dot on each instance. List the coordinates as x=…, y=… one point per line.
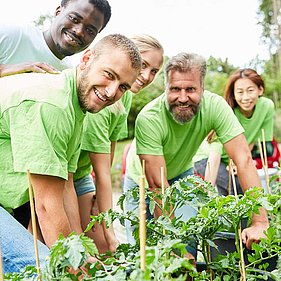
x=167, y=238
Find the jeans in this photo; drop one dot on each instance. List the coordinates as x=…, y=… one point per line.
x=84, y=185
x=222, y=177
x=130, y=204
x=17, y=245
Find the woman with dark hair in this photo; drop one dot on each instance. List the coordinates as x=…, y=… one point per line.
x=244, y=94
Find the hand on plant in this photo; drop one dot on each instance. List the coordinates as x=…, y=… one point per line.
x=83, y=268
x=111, y=239
x=234, y=167
x=254, y=233
x=191, y=257
x=95, y=209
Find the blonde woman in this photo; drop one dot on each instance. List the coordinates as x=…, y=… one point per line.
x=101, y=133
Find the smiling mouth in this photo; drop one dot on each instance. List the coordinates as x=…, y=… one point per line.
x=140, y=83
x=73, y=39
x=97, y=93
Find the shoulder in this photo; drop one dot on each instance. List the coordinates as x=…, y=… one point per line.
x=213, y=103
x=10, y=30
x=153, y=109
x=263, y=101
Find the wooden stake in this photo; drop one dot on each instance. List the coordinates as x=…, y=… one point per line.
x=142, y=210
x=1, y=267
x=242, y=264
x=266, y=163
x=264, y=167
x=33, y=220
x=163, y=192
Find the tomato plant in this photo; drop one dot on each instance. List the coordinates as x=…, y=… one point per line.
x=167, y=238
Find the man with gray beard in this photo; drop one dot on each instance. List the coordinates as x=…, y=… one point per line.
x=170, y=129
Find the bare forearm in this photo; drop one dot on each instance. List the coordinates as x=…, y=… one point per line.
x=249, y=178
x=52, y=224
x=72, y=208
x=104, y=200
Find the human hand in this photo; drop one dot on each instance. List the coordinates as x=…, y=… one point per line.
x=94, y=210
x=254, y=233
x=111, y=239
x=38, y=67
x=83, y=269
x=234, y=168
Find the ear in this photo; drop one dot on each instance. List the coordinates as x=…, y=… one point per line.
x=58, y=10
x=86, y=58
x=261, y=91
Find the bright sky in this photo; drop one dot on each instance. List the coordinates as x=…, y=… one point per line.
x=219, y=28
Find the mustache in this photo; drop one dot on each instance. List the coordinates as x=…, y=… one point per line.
x=183, y=104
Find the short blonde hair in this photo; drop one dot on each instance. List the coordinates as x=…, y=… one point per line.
x=145, y=43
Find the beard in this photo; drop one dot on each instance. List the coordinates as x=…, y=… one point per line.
x=82, y=90
x=182, y=116
x=64, y=52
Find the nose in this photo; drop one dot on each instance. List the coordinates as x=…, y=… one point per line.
x=183, y=96
x=145, y=75
x=245, y=95
x=79, y=29
x=111, y=89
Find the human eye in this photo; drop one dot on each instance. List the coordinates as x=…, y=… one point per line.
x=108, y=74
x=91, y=31
x=190, y=89
x=73, y=18
x=123, y=88
x=154, y=71
x=143, y=66
x=174, y=89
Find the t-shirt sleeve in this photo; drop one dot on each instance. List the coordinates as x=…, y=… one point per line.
x=269, y=119
x=39, y=139
x=148, y=136
x=96, y=133
x=226, y=124
x=8, y=38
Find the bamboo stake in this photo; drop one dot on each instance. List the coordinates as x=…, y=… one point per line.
x=142, y=210
x=1, y=267
x=242, y=261
x=162, y=186
x=34, y=228
x=229, y=180
x=266, y=163
x=264, y=167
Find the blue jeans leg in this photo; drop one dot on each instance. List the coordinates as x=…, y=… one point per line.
x=186, y=212
x=130, y=204
x=17, y=245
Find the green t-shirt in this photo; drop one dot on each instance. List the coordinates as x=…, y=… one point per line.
x=262, y=118
x=40, y=128
x=157, y=133
x=100, y=129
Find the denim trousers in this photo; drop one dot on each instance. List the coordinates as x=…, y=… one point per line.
x=17, y=246
x=186, y=212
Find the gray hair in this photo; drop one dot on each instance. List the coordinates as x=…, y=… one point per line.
x=123, y=43
x=185, y=62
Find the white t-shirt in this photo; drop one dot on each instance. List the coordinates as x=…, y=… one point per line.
x=26, y=43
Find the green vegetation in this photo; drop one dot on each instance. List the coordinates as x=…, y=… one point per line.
x=167, y=238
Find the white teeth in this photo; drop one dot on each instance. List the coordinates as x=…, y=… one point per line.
x=71, y=39
x=99, y=95
x=139, y=83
